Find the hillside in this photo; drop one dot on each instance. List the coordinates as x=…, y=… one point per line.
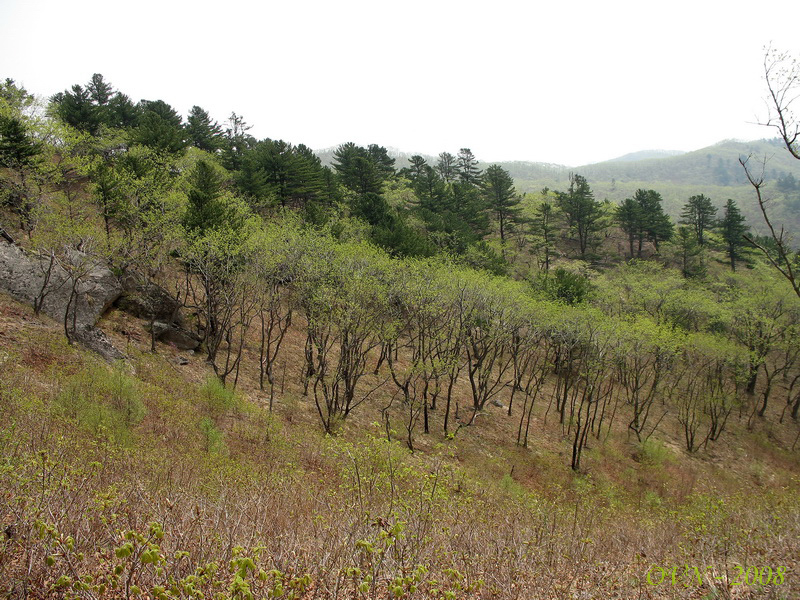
x=151, y=475
x=232, y=372
x=646, y=154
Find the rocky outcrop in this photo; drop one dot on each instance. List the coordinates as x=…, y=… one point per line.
x=44, y=280
x=150, y=302
x=179, y=337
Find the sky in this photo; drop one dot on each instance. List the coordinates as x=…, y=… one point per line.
x=580, y=82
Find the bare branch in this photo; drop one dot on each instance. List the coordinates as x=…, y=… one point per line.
x=782, y=74
x=783, y=261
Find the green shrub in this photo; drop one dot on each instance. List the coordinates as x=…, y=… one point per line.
x=654, y=452
x=566, y=286
x=218, y=398
x=103, y=400
x=213, y=437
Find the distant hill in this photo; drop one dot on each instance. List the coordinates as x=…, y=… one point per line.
x=647, y=154
x=716, y=165
x=714, y=171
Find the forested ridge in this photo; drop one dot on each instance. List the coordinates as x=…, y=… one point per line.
x=409, y=382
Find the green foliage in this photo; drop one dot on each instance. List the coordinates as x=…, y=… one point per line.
x=733, y=229
x=202, y=132
x=583, y=213
x=698, y=213
x=160, y=127
x=213, y=438
x=291, y=176
x=482, y=256
x=563, y=285
x=363, y=170
x=467, y=167
x=103, y=401
x=15, y=96
x=219, y=398
x=17, y=147
x=501, y=198
x=689, y=254
x=95, y=107
x=654, y=453
x=642, y=218
x=205, y=210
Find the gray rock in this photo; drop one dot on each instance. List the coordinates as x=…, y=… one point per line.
x=26, y=276
x=172, y=334
x=149, y=301
x=96, y=340
x=23, y=275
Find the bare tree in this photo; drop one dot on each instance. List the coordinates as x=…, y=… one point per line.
x=782, y=258
x=782, y=75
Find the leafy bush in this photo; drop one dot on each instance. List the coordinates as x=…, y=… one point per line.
x=566, y=286
x=218, y=397
x=103, y=401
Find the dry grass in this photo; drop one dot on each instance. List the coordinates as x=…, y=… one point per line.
x=259, y=500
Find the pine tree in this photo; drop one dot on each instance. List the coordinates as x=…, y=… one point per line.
x=583, y=213
x=467, y=167
x=642, y=218
x=17, y=148
x=76, y=109
x=543, y=229
x=698, y=213
x=431, y=190
x=416, y=167
x=629, y=218
x=160, y=127
x=100, y=91
x=382, y=161
x=733, y=229
x=362, y=170
x=16, y=96
x=202, y=132
x=656, y=224
x=446, y=167
x=690, y=253
x=237, y=141
x=122, y=112
x=204, y=211
x=501, y=199
x=17, y=153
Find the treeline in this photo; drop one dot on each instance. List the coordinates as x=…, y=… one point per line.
x=267, y=239
x=451, y=207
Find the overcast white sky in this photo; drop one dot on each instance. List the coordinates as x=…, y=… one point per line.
x=575, y=83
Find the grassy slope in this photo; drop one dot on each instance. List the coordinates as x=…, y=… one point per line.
x=93, y=455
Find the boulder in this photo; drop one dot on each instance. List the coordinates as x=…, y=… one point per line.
x=97, y=341
x=149, y=301
x=25, y=276
x=181, y=338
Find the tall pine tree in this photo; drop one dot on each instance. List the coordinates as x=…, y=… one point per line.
x=583, y=213
x=698, y=213
x=733, y=229
x=501, y=199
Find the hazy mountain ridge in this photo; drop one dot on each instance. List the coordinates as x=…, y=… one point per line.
x=646, y=155
x=716, y=165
